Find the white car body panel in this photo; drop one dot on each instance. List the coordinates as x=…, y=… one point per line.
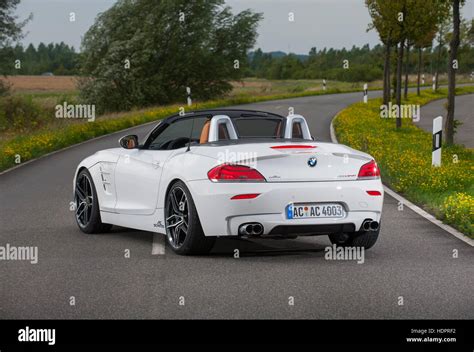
x=225, y=215
x=131, y=184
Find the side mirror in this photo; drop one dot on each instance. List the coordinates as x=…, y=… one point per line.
x=129, y=142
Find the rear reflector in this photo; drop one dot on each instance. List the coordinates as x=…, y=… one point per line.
x=246, y=196
x=374, y=193
x=294, y=146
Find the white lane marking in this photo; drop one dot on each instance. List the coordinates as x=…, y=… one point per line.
x=158, y=246
x=414, y=207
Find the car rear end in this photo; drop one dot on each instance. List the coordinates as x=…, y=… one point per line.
x=289, y=189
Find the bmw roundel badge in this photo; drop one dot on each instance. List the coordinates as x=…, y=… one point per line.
x=312, y=161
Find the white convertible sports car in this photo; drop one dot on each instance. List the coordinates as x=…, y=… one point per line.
x=244, y=173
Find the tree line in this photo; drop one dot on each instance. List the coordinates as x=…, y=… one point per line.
x=354, y=65
x=59, y=59
x=359, y=64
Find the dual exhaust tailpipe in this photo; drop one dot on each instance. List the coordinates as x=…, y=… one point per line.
x=251, y=229
x=369, y=225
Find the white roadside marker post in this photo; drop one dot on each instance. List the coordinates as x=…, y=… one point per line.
x=472, y=75
x=437, y=141
x=188, y=91
x=324, y=84
x=365, y=93
x=434, y=82
x=423, y=78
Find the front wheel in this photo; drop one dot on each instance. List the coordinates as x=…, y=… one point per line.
x=87, y=206
x=364, y=239
x=184, y=232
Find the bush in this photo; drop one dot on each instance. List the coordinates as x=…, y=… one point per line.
x=356, y=73
x=4, y=88
x=459, y=209
x=18, y=113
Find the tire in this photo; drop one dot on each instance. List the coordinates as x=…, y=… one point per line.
x=184, y=232
x=87, y=213
x=364, y=239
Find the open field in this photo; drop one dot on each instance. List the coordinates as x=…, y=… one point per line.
x=42, y=84
x=256, y=86
x=261, y=87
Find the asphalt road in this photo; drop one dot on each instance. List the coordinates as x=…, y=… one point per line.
x=463, y=112
x=413, y=258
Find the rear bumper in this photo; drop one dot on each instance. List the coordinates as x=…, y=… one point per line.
x=221, y=216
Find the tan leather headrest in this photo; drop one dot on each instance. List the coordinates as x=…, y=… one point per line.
x=205, y=132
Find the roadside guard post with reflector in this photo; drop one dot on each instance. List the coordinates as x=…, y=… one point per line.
x=188, y=92
x=365, y=93
x=324, y=84
x=434, y=82
x=423, y=78
x=437, y=140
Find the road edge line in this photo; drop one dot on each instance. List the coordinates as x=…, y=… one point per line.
x=451, y=230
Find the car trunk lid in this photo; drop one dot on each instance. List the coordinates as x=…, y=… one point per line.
x=292, y=162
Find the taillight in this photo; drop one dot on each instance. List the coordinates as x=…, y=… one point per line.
x=369, y=170
x=234, y=173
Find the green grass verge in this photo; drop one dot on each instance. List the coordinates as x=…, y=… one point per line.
x=404, y=156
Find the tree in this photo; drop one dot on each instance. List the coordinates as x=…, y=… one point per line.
x=384, y=20
x=402, y=15
x=452, y=66
x=409, y=44
x=10, y=30
x=423, y=29
x=421, y=43
x=444, y=26
x=144, y=52
x=466, y=47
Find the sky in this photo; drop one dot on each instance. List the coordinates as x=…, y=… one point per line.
x=319, y=23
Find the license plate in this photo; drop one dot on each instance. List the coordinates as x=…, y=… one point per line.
x=302, y=211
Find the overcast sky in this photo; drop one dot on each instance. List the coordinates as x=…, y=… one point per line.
x=320, y=23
